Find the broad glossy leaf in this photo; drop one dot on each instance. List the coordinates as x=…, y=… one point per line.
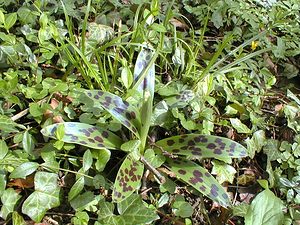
x=45, y=196
x=24, y=170
x=265, y=209
x=128, y=178
x=85, y=134
x=147, y=84
x=200, y=179
x=121, y=110
x=202, y=146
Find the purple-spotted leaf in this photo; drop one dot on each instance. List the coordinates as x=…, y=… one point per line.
x=181, y=99
x=147, y=84
x=84, y=134
x=200, y=179
x=128, y=178
x=203, y=146
x=121, y=110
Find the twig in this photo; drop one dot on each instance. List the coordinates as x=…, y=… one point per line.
x=160, y=177
x=25, y=111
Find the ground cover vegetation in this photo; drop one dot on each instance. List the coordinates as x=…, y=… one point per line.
x=138, y=112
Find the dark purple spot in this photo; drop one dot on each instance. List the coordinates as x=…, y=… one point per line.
x=170, y=142
x=202, y=188
x=175, y=150
x=148, y=57
x=86, y=132
x=207, y=174
x=225, y=196
x=89, y=94
x=108, y=99
x=74, y=138
x=91, y=140
x=100, y=145
x=214, y=190
x=181, y=140
x=100, y=93
x=91, y=129
x=197, y=153
x=134, y=130
x=128, y=115
x=126, y=103
x=218, y=151
x=197, y=173
x=182, y=172
x=98, y=138
x=127, y=123
x=105, y=104
x=219, y=141
x=132, y=114
x=184, y=147
x=211, y=146
x=191, y=143
x=195, y=180
x=119, y=110
x=83, y=142
x=105, y=134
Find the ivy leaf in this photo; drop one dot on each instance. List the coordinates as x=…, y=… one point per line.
x=223, y=171
x=84, y=134
x=203, y=146
x=128, y=178
x=45, y=196
x=9, y=200
x=132, y=211
x=239, y=126
x=24, y=170
x=200, y=179
x=265, y=209
x=121, y=110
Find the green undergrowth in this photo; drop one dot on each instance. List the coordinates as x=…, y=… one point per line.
x=137, y=112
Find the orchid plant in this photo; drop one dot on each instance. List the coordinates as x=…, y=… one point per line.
x=136, y=117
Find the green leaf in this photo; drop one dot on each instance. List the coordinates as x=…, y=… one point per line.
x=128, y=178
x=98, y=34
x=255, y=144
x=7, y=125
x=84, y=134
x=45, y=196
x=24, y=170
x=102, y=156
x=2, y=17
x=223, y=171
x=265, y=209
x=87, y=200
x=9, y=200
x=200, y=179
x=27, y=142
x=121, y=110
x=2, y=181
x=76, y=188
x=10, y=20
x=60, y=131
x=18, y=219
x=239, y=126
x=132, y=211
x=3, y=149
x=182, y=209
x=203, y=146
x=87, y=160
